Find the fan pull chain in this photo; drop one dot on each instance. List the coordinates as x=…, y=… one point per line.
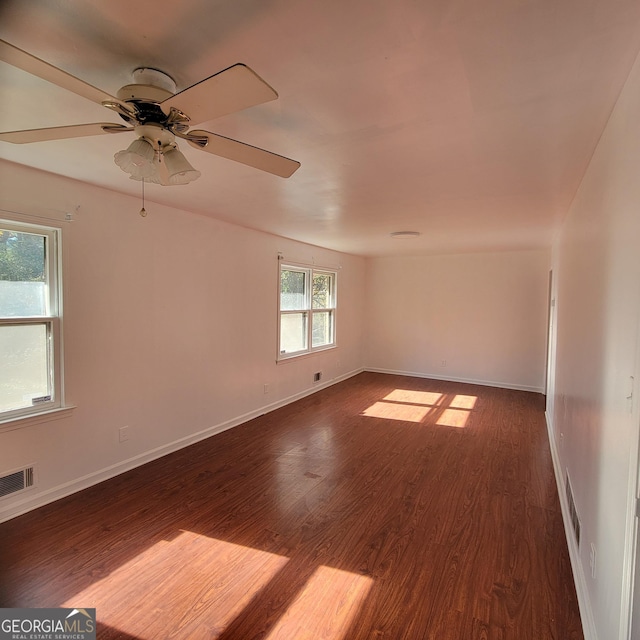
x=143, y=211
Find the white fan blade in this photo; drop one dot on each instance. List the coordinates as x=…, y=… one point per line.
x=231, y=90
x=61, y=133
x=36, y=67
x=246, y=154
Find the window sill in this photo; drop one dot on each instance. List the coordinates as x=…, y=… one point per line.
x=33, y=419
x=305, y=354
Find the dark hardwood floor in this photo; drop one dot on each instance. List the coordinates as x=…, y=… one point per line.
x=384, y=507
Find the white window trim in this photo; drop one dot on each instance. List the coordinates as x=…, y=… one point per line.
x=53, y=319
x=310, y=350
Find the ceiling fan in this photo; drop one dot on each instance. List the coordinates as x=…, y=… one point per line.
x=157, y=115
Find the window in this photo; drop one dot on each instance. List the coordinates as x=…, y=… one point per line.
x=307, y=310
x=29, y=320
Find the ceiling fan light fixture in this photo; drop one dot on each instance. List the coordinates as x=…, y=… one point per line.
x=137, y=159
x=178, y=167
x=154, y=178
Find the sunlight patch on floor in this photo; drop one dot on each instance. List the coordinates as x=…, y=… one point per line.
x=415, y=406
x=463, y=402
x=427, y=398
x=393, y=411
x=453, y=418
x=210, y=589
x=458, y=412
x=325, y=607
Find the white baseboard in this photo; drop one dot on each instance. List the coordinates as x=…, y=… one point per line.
x=35, y=500
x=586, y=611
x=432, y=376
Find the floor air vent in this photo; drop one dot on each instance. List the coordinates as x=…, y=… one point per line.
x=573, y=514
x=16, y=481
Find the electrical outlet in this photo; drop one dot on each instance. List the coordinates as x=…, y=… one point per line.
x=123, y=434
x=592, y=561
x=266, y=388
x=443, y=363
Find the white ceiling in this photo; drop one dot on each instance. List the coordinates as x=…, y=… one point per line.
x=469, y=121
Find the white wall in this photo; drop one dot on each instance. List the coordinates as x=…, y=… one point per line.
x=170, y=327
x=484, y=314
x=594, y=427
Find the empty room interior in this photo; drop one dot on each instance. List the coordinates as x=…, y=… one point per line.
x=321, y=319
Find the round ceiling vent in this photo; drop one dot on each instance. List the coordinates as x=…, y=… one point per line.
x=404, y=235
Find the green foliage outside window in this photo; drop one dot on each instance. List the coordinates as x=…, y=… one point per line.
x=22, y=257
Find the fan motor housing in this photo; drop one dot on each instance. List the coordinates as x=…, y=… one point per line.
x=149, y=85
x=143, y=93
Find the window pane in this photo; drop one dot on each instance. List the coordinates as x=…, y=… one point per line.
x=322, y=328
x=293, y=332
x=23, y=287
x=293, y=290
x=322, y=290
x=24, y=365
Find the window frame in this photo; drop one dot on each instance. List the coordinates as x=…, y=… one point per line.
x=308, y=309
x=52, y=319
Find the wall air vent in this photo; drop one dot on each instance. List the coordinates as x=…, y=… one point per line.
x=16, y=481
x=573, y=514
